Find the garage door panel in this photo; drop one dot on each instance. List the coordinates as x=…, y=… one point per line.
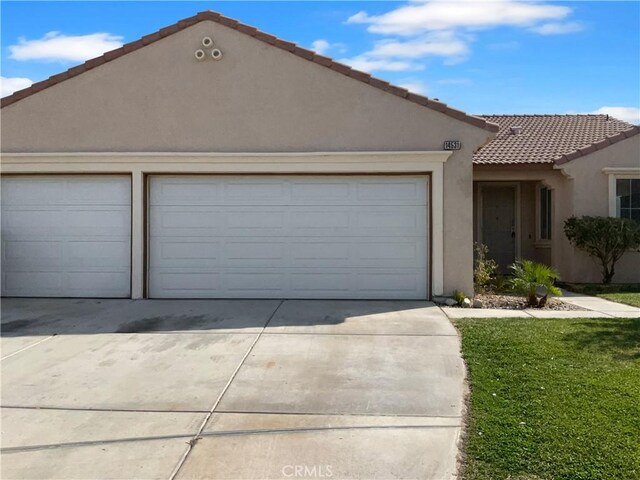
x=66, y=236
x=190, y=284
x=98, y=283
x=389, y=283
x=38, y=283
x=304, y=237
x=32, y=253
x=187, y=253
x=179, y=220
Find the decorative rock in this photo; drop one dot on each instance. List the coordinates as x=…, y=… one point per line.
x=466, y=303
x=439, y=299
x=477, y=303
x=450, y=302
x=541, y=291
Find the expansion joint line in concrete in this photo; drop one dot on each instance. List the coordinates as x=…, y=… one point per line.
x=27, y=347
x=197, y=436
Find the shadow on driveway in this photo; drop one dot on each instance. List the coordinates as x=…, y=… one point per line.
x=42, y=316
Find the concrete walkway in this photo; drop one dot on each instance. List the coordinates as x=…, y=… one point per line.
x=595, y=307
x=228, y=389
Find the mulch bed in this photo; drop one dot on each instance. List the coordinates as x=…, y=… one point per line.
x=511, y=302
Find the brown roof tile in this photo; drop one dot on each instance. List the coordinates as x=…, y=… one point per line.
x=550, y=139
x=265, y=37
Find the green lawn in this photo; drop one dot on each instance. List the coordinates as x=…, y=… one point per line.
x=628, y=293
x=553, y=399
x=628, y=298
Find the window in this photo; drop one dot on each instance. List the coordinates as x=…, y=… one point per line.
x=628, y=198
x=545, y=214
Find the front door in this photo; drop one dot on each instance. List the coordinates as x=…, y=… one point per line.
x=499, y=224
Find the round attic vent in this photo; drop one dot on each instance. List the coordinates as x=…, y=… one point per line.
x=216, y=54
x=207, y=42
x=199, y=54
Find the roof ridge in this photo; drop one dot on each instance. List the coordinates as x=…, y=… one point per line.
x=264, y=37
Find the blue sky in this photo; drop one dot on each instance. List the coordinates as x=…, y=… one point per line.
x=504, y=56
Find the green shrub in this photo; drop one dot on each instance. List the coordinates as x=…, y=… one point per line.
x=484, y=268
x=529, y=276
x=604, y=238
x=459, y=296
x=500, y=284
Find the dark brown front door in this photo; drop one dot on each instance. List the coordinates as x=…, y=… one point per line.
x=499, y=224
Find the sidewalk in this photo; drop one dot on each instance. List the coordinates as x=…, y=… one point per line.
x=595, y=308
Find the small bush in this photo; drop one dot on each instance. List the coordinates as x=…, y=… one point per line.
x=604, y=238
x=529, y=277
x=459, y=296
x=484, y=268
x=500, y=284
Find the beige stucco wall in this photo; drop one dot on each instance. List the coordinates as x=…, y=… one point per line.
x=590, y=191
x=256, y=99
x=580, y=187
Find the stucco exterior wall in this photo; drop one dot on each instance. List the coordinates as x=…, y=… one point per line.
x=528, y=178
x=256, y=99
x=580, y=187
x=590, y=191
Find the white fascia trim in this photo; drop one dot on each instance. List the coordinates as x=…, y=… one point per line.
x=433, y=155
x=240, y=163
x=621, y=171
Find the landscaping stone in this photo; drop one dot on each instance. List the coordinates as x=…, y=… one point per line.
x=450, y=302
x=513, y=302
x=466, y=303
x=477, y=303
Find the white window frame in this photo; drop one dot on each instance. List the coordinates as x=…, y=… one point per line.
x=614, y=174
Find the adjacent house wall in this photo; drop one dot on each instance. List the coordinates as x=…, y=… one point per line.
x=590, y=192
x=256, y=99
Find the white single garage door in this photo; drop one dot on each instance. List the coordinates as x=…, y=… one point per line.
x=288, y=237
x=66, y=236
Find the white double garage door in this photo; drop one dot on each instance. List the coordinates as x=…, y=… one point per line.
x=218, y=236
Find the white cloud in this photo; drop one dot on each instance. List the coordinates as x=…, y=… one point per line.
x=415, y=86
x=444, y=28
x=323, y=46
x=420, y=17
x=56, y=47
x=8, y=85
x=444, y=44
x=558, y=28
x=320, y=46
x=401, y=55
x=367, y=64
x=626, y=114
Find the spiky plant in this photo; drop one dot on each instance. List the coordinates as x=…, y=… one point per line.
x=528, y=276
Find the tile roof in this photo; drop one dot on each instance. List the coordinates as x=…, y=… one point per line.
x=264, y=37
x=550, y=139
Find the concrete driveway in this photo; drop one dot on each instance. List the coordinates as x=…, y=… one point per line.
x=229, y=389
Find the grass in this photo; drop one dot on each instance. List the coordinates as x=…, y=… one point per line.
x=628, y=293
x=632, y=299
x=553, y=399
